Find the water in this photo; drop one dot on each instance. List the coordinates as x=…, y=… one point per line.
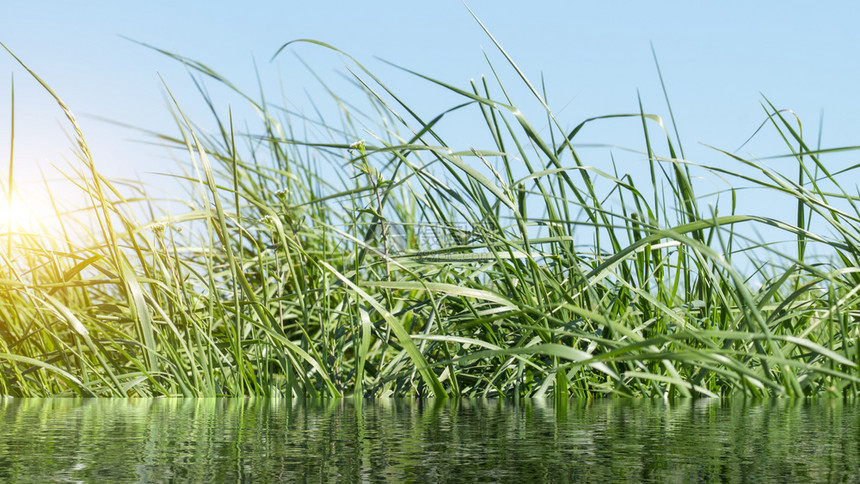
x=239, y=440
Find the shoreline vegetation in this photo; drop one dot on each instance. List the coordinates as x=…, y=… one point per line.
x=383, y=262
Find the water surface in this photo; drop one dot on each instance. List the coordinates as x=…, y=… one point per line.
x=244, y=440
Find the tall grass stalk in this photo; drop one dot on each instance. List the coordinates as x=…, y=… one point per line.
x=379, y=260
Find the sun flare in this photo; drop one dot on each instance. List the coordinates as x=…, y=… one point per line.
x=30, y=213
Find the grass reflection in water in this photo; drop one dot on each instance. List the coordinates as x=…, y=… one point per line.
x=206, y=440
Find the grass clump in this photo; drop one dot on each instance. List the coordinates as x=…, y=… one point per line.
x=377, y=260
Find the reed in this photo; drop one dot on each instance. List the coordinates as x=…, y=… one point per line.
x=519, y=269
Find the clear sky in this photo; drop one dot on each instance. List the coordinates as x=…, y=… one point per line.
x=718, y=58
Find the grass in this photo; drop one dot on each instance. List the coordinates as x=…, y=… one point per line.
x=421, y=269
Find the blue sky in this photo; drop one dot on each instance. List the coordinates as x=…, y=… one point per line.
x=717, y=60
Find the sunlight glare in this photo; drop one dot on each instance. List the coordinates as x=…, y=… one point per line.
x=31, y=214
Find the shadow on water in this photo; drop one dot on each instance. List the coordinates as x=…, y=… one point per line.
x=205, y=440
